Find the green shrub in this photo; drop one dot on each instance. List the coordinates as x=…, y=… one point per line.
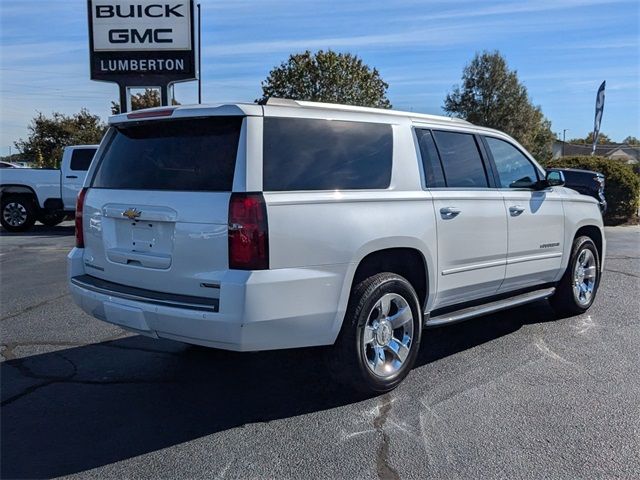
x=621, y=189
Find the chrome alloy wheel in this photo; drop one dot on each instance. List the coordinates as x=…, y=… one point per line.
x=387, y=335
x=14, y=214
x=584, y=277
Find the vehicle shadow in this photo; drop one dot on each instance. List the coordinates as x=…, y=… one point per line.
x=79, y=408
x=39, y=230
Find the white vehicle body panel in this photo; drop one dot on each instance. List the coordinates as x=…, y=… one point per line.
x=47, y=184
x=71, y=180
x=472, y=245
x=536, y=237
x=172, y=232
x=317, y=239
x=43, y=183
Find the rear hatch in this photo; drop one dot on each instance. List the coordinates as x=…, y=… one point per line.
x=155, y=215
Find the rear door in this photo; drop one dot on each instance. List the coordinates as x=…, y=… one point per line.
x=470, y=217
x=75, y=163
x=155, y=216
x=536, y=218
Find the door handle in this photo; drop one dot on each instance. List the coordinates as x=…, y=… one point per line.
x=449, y=212
x=515, y=210
x=72, y=176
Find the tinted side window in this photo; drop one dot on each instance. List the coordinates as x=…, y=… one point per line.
x=183, y=155
x=514, y=169
x=461, y=160
x=430, y=159
x=81, y=158
x=311, y=154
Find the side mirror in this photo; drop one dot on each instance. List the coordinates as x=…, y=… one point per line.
x=552, y=179
x=555, y=178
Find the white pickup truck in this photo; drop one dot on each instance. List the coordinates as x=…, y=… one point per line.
x=47, y=195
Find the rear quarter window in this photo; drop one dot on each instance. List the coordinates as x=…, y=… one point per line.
x=434, y=177
x=317, y=154
x=182, y=155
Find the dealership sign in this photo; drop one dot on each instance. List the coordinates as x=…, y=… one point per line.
x=141, y=42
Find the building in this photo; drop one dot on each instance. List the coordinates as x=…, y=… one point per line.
x=618, y=151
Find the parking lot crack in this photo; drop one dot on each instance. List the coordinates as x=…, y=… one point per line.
x=138, y=349
x=25, y=392
x=8, y=349
x=46, y=380
x=384, y=470
x=622, y=273
x=32, y=307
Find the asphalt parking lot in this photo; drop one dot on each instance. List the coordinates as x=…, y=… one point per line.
x=511, y=395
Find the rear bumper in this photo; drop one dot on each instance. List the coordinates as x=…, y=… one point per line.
x=261, y=310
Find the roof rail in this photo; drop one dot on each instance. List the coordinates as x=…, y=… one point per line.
x=287, y=102
x=284, y=102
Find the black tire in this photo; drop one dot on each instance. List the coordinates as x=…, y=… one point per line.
x=24, y=206
x=347, y=359
x=565, y=301
x=51, y=219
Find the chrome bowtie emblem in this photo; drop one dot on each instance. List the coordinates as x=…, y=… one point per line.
x=131, y=213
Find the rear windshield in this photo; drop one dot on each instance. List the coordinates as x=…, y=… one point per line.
x=310, y=154
x=189, y=155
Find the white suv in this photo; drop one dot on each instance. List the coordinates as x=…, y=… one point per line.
x=293, y=224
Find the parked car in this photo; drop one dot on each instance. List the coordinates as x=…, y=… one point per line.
x=295, y=224
x=586, y=182
x=47, y=195
x=9, y=165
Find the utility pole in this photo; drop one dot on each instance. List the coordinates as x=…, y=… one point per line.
x=564, y=133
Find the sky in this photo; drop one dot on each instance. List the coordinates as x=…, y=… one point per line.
x=561, y=49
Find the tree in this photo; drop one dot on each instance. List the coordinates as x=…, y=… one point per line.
x=492, y=96
x=630, y=140
x=147, y=99
x=603, y=139
x=622, y=189
x=49, y=135
x=327, y=77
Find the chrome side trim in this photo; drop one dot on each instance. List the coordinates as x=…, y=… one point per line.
x=478, y=310
x=498, y=263
x=476, y=266
x=117, y=290
x=531, y=258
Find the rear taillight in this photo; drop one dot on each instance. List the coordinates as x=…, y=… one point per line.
x=248, y=232
x=79, y=208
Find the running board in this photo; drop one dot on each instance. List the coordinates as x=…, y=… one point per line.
x=478, y=310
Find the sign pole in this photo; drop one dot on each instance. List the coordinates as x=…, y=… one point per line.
x=164, y=95
x=123, y=98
